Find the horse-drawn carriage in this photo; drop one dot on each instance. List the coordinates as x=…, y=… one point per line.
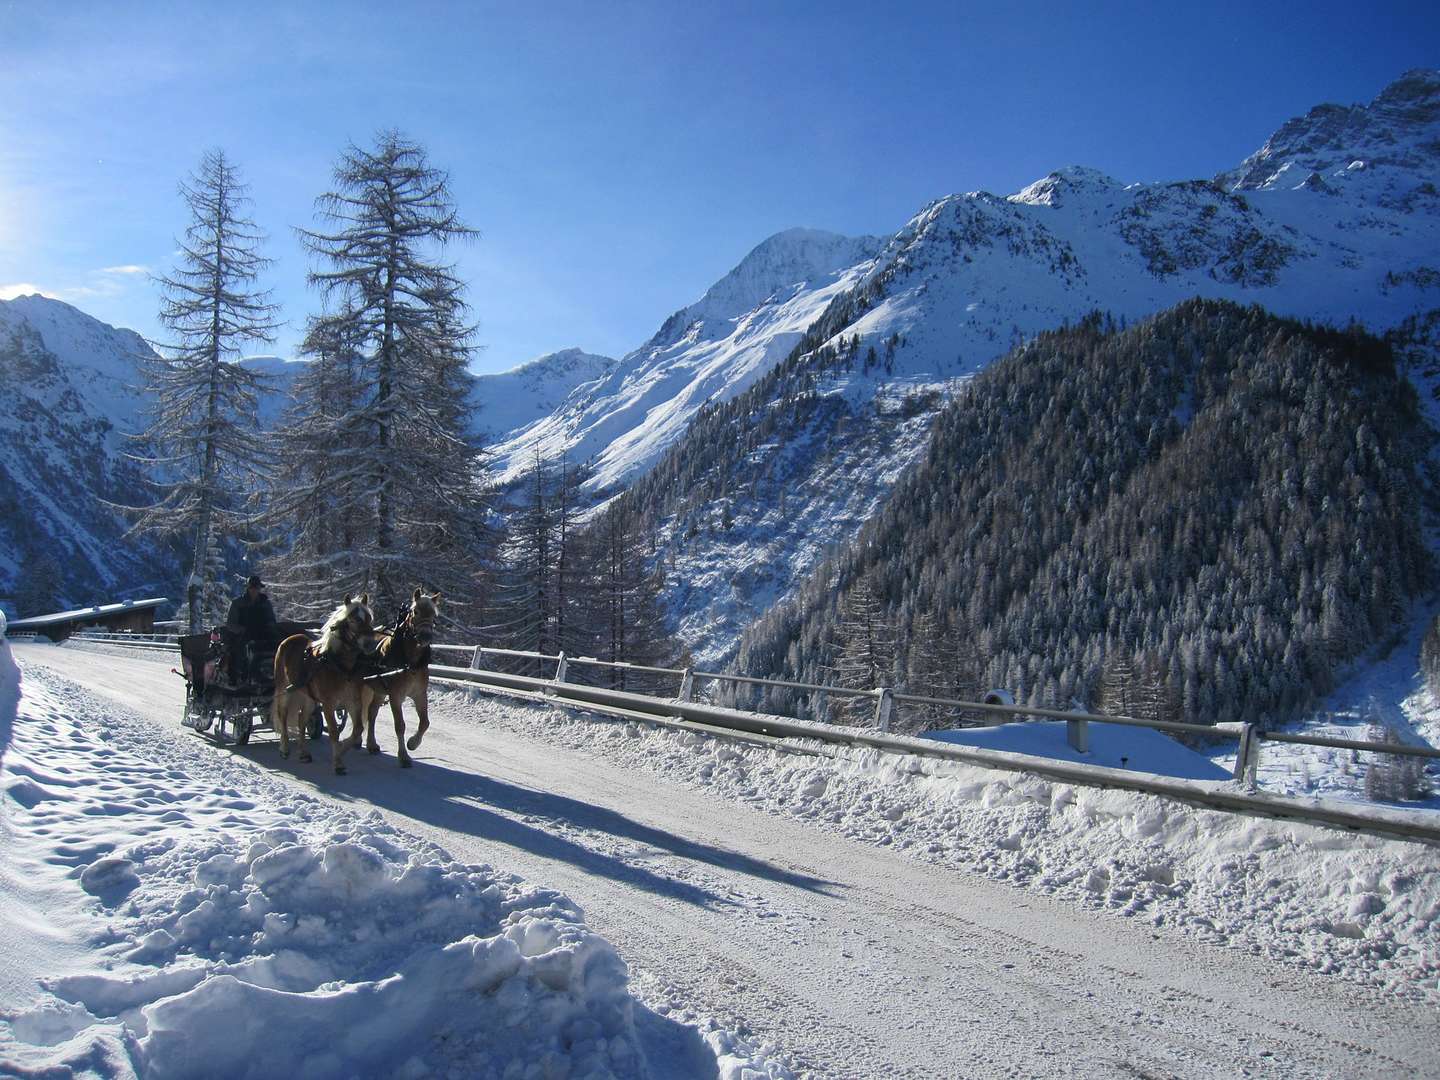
x=313, y=679
x=230, y=682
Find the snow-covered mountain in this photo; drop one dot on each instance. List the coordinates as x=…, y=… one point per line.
x=279, y=375
x=704, y=353
x=72, y=399
x=71, y=392
x=508, y=402
x=1336, y=218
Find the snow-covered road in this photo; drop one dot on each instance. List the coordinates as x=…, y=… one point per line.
x=859, y=961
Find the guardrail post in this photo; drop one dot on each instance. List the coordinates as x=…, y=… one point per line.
x=687, y=685
x=1077, y=734
x=884, y=705
x=1247, y=757
x=560, y=667
x=475, y=659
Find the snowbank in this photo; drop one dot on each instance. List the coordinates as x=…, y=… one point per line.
x=1359, y=907
x=259, y=933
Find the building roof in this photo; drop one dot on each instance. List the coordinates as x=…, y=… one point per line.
x=85, y=614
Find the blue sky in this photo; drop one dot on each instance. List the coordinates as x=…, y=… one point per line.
x=618, y=158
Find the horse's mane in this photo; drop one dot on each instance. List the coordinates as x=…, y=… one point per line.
x=330, y=632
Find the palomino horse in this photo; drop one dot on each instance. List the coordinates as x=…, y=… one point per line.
x=324, y=674
x=403, y=659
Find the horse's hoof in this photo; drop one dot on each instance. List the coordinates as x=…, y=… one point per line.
x=306, y=757
x=413, y=742
x=285, y=752
x=405, y=763
x=339, y=770
x=373, y=749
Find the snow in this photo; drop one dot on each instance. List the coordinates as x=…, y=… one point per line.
x=705, y=353
x=834, y=908
x=184, y=916
x=1361, y=908
x=509, y=401
x=1113, y=745
x=100, y=361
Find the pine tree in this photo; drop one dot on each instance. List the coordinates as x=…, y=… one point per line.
x=203, y=420
x=573, y=582
x=388, y=460
x=943, y=662
x=627, y=610
x=864, y=649
x=39, y=589
x=526, y=593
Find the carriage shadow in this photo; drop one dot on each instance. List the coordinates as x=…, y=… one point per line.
x=533, y=821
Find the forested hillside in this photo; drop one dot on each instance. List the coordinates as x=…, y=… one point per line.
x=1202, y=516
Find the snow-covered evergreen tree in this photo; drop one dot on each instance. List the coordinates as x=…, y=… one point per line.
x=40, y=588
x=626, y=597
x=545, y=597
x=380, y=488
x=203, y=418
x=942, y=662
x=863, y=650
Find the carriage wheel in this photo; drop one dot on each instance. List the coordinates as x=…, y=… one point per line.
x=225, y=717
x=204, y=711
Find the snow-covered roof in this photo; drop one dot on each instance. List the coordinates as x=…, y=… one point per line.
x=99, y=611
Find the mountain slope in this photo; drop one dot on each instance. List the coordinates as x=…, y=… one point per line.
x=507, y=402
x=1218, y=504
x=71, y=384
x=706, y=352
x=75, y=397
x=972, y=275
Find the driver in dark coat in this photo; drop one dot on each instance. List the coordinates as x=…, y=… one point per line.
x=251, y=614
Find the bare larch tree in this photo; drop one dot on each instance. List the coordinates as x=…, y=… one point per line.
x=380, y=486
x=203, y=428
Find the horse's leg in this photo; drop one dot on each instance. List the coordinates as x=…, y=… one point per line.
x=332, y=728
x=371, y=712
x=296, y=711
x=356, y=703
x=280, y=718
x=420, y=696
x=396, y=696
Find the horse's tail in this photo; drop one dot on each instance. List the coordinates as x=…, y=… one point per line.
x=283, y=655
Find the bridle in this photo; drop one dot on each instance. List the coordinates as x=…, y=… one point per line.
x=420, y=632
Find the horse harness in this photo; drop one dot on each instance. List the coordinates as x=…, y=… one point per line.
x=313, y=658
x=405, y=626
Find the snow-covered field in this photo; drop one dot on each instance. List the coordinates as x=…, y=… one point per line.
x=831, y=904
x=170, y=914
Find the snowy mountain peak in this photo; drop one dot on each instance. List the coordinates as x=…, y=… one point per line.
x=99, y=361
x=788, y=260
x=1398, y=131
x=705, y=353
x=563, y=363
x=508, y=401
x=1053, y=190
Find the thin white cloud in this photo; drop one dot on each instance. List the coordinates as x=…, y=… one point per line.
x=24, y=288
x=129, y=268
